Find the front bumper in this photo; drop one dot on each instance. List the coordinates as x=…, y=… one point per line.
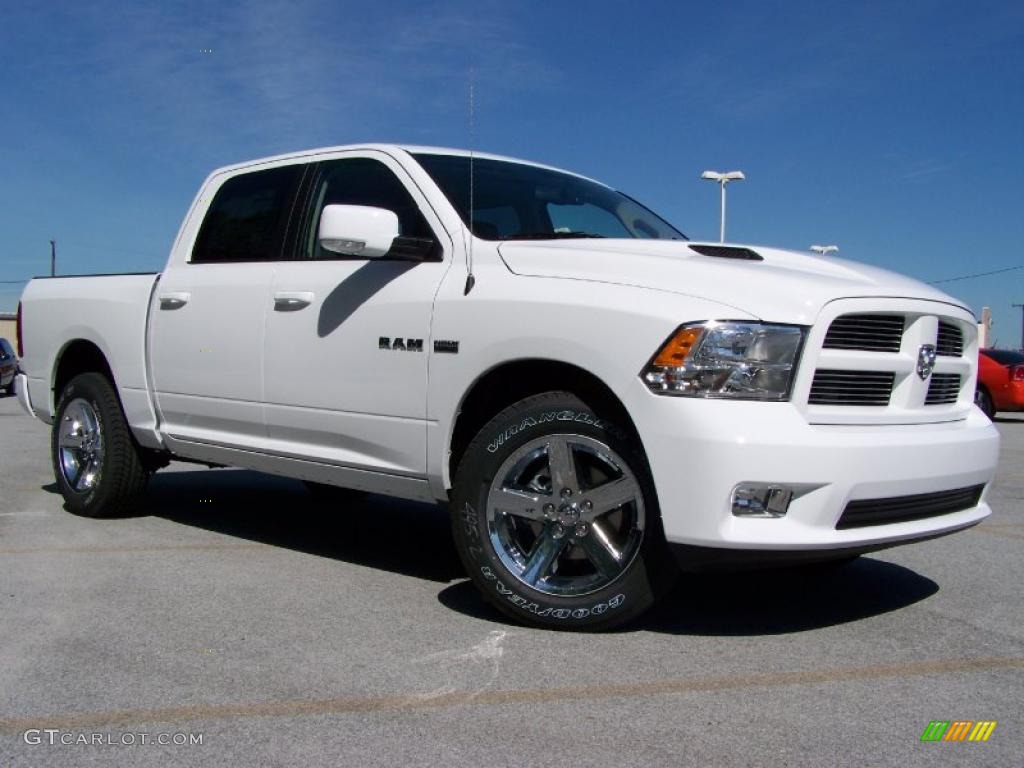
x=21, y=390
x=700, y=450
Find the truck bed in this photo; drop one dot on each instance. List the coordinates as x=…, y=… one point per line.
x=107, y=311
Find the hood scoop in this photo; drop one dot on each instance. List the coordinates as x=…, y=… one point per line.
x=726, y=252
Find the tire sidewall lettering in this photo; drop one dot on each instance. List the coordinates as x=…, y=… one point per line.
x=534, y=608
x=564, y=415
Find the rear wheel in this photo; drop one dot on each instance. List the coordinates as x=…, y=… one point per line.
x=983, y=400
x=555, y=517
x=96, y=462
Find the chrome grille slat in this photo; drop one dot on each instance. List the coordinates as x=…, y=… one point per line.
x=944, y=388
x=867, y=332
x=950, y=341
x=836, y=387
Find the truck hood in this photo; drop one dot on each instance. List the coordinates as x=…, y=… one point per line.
x=787, y=286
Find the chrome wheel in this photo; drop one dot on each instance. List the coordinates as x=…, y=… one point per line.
x=565, y=514
x=80, y=446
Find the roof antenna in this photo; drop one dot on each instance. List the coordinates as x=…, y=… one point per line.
x=470, y=279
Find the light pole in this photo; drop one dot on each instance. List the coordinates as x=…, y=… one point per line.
x=825, y=250
x=722, y=179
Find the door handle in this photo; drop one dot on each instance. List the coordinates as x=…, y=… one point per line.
x=174, y=300
x=289, y=301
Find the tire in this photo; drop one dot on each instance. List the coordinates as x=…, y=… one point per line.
x=96, y=462
x=983, y=400
x=531, y=531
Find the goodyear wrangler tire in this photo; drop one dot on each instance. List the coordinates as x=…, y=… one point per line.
x=555, y=517
x=96, y=462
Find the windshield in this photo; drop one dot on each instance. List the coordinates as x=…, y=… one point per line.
x=514, y=201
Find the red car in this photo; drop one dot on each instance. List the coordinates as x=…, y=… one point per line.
x=1000, y=381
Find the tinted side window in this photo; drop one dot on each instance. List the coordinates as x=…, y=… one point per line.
x=246, y=220
x=361, y=181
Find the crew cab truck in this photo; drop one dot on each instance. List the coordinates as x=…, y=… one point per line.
x=600, y=401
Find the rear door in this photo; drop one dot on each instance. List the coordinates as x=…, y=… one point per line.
x=207, y=328
x=348, y=338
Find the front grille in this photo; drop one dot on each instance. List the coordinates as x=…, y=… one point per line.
x=943, y=388
x=951, y=340
x=851, y=387
x=901, y=509
x=872, y=333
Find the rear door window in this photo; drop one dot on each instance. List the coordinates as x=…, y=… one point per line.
x=248, y=216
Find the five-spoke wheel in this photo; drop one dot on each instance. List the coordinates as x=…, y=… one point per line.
x=80, y=441
x=555, y=516
x=565, y=514
x=96, y=462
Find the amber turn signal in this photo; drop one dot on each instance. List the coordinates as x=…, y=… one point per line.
x=674, y=351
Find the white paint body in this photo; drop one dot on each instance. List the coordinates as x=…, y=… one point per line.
x=209, y=366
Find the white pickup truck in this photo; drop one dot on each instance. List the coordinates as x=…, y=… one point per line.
x=600, y=401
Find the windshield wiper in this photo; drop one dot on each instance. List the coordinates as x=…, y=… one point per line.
x=551, y=235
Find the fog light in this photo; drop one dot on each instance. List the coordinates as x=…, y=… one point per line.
x=761, y=500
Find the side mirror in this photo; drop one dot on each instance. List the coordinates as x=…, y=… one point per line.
x=357, y=230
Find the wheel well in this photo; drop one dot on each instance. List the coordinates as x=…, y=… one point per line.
x=79, y=356
x=508, y=383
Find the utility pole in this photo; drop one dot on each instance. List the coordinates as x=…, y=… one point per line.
x=53, y=258
x=1021, y=323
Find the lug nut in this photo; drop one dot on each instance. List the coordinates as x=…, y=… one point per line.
x=588, y=505
x=549, y=511
x=566, y=493
x=581, y=530
x=558, y=531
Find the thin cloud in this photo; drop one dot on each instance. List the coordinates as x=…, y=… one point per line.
x=278, y=76
x=925, y=171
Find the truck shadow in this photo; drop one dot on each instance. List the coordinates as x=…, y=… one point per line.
x=761, y=602
x=771, y=602
x=374, y=531
x=414, y=539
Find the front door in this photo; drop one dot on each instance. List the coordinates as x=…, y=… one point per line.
x=348, y=338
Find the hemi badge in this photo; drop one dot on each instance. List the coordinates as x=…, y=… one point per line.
x=451, y=347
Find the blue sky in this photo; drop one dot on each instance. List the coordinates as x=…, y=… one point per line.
x=893, y=129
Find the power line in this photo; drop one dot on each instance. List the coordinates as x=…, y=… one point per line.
x=977, y=274
x=13, y=282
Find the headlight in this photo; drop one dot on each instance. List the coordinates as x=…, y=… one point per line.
x=744, y=361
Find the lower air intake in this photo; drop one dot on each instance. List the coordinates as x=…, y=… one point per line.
x=901, y=509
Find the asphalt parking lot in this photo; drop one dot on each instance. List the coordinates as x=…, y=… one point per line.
x=279, y=631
